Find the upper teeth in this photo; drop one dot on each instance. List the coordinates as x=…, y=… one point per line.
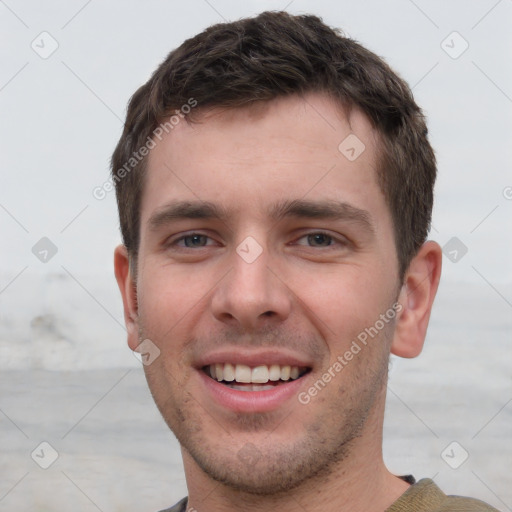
x=257, y=375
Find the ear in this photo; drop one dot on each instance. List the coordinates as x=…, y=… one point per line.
x=128, y=289
x=416, y=297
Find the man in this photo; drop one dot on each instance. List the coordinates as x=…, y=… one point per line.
x=275, y=186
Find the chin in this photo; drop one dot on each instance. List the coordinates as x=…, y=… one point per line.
x=266, y=468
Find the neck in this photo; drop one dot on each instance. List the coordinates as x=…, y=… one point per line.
x=358, y=483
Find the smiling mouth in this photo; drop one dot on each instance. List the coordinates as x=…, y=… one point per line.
x=258, y=378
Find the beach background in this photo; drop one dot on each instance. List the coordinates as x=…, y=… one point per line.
x=73, y=398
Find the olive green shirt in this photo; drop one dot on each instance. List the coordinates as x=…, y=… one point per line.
x=423, y=496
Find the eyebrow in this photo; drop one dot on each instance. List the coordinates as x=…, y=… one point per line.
x=323, y=209
x=181, y=210
x=298, y=208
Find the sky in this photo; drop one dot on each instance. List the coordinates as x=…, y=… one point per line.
x=69, y=68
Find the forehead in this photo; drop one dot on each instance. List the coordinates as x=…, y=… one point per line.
x=248, y=158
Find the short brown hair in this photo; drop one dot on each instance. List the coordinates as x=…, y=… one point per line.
x=269, y=56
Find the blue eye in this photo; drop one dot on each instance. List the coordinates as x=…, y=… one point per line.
x=194, y=240
x=319, y=240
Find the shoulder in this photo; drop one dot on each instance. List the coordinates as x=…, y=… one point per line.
x=425, y=496
x=181, y=506
x=463, y=504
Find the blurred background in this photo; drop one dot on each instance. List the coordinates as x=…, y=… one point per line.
x=77, y=423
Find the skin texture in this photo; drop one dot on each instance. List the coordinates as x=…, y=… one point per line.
x=306, y=296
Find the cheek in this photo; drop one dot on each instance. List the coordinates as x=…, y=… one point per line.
x=342, y=302
x=167, y=297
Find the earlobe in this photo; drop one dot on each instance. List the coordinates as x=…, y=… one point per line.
x=128, y=289
x=416, y=298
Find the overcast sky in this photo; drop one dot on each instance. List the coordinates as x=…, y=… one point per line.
x=68, y=69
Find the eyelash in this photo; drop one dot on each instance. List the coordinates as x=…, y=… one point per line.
x=184, y=237
x=332, y=239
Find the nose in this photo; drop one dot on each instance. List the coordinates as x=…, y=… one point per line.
x=251, y=296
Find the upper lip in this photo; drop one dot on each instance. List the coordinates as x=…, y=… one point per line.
x=253, y=358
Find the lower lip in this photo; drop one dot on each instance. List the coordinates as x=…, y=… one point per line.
x=251, y=401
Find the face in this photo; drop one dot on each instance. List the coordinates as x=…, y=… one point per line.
x=265, y=252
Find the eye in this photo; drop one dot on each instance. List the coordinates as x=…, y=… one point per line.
x=192, y=246
x=319, y=239
x=193, y=240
